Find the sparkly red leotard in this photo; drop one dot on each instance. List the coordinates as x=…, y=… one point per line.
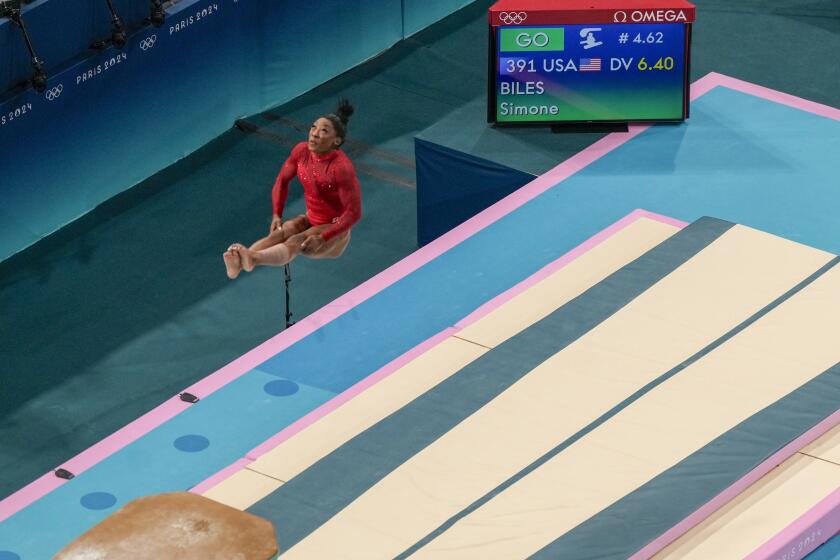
x=330, y=188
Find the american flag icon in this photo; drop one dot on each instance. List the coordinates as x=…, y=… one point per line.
x=590, y=64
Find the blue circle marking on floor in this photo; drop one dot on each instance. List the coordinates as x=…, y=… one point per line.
x=8, y=555
x=98, y=500
x=281, y=388
x=192, y=443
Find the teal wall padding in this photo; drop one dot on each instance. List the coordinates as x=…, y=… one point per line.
x=305, y=44
x=419, y=14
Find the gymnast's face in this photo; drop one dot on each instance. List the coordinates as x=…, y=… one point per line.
x=322, y=137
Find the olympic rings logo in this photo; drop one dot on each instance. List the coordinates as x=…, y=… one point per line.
x=148, y=42
x=53, y=93
x=512, y=18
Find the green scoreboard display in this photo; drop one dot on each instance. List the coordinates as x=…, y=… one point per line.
x=593, y=61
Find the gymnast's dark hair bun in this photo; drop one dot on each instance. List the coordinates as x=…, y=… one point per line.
x=344, y=111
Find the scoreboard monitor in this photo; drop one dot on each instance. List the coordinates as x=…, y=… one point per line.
x=594, y=62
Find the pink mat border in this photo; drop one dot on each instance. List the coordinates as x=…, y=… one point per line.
x=424, y=347
x=736, y=488
x=113, y=443
x=806, y=534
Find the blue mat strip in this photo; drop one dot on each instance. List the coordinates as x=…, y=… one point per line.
x=307, y=501
x=175, y=456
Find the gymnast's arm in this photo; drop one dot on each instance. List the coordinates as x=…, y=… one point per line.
x=280, y=191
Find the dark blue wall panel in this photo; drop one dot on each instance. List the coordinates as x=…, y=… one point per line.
x=453, y=186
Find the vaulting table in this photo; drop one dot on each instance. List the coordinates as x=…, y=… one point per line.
x=176, y=526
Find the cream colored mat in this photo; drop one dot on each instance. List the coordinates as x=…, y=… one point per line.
x=723, y=285
x=569, y=282
x=417, y=377
x=779, y=353
x=827, y=447
x=243, y=489
x=760, y=512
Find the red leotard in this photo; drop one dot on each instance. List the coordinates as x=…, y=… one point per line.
x=330, y=188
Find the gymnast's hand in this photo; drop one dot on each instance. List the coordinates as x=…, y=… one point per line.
x=312, y=244
x=276, y=223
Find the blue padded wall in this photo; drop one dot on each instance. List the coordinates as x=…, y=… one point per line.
x=60, y=31
x=111, y=119
x=305, y=47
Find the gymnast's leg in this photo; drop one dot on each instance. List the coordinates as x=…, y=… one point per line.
x=283, y=253
x=290, y=228
x=276, y=255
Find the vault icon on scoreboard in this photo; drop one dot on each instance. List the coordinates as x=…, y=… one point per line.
x=589, y=40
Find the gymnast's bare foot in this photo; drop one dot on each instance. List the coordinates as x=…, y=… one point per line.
x=233, y=263
x=246, y=256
